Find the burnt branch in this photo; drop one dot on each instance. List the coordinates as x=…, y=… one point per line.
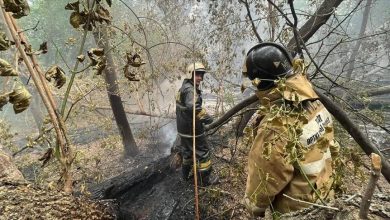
x=231, y=112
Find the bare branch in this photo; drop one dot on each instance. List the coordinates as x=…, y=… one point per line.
x=311, y=26
x=245, y=2
x=338, y=25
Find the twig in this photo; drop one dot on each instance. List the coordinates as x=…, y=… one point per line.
x=245, y=2
x=299, y=49
x=351, y=197
x=376, y=166
x=342, y=21
x=309, y=203
x=216, y=190
x=326, y=57
x=33, y=28
x=76, y=101
x=222, y=212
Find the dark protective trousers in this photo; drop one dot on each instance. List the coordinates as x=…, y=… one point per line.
x=202, y=156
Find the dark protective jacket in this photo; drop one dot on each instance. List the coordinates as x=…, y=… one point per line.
x=184, y=110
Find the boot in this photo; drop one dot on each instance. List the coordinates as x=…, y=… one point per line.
x=185, y=171
x=211, y=180
x=208, y=179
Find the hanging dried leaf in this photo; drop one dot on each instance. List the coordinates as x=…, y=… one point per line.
x=46, y=157
x=4, y=42
x=100, y=66
x=109, y=2
x=81, y=58
x=76, y=19
x=96, y=51
x=81, y=14
x=128, y=74
x=98, y=61
x=20, y=98
x=75, y=6
x=134, y=59
x=43, y=47
x=19, y=8
x=6, y=69
x=102, y=14
x=57, y=74
x=3, y=100
x=94, y=54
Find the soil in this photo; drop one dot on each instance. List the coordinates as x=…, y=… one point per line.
x=166, y=195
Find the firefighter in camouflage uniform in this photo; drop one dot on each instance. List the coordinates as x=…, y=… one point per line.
x=293, y=143
x=184, y=121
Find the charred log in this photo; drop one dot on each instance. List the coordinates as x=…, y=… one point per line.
x=129, y=184
x=153, y=191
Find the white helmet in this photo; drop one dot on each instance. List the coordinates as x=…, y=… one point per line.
x=197, y=67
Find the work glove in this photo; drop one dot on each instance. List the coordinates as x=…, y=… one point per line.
x=204, y=118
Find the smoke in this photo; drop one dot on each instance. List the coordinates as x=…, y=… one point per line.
x=166, y=137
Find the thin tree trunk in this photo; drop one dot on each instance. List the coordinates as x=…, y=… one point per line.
x=110, y=77
x=378, y=91
x=65, y=150
x=34, y=105
x=375, y=172
x=359, y=42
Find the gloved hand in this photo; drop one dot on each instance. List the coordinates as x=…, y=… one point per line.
x=207, y=119
x=204, y=118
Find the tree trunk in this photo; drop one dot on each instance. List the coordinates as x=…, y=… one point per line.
x=110, y=77
x=378, y=91
x=355, y=50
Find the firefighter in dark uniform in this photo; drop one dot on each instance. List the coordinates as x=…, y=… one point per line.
x=184, y=120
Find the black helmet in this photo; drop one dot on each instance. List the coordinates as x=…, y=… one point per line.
x=268, y=62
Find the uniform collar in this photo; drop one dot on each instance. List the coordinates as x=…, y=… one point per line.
x=191, y=82
x=298, y=88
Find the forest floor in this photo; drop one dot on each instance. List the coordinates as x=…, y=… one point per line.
x=172, y=198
